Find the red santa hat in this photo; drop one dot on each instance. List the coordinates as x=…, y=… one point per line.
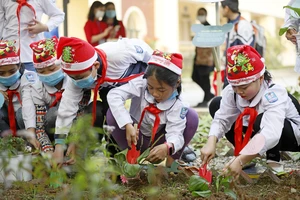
x=44, y=52
x=8, y=53
x=76, y=55
x=244, y=65
x=172, y=61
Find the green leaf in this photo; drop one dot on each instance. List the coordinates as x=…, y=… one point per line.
x=121, y=156
x=230, y=193
x=196, y=183
x=218, y=183
x=297, y=10
x=145, y=154
x=173, y=168
x=131, y=170
x=204, y=194
x=283, y=30
x=226, y=181
x=150, y=172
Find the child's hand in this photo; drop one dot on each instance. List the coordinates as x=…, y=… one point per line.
x=158, y=153
x=290, y=35
x=233, y=168
x=58, y=156
x=71, y=151
x=131, y=134
x=37, y=27
x=209, y=149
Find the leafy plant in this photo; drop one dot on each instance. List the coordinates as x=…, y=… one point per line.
x=12, y=145
x=284, y=29
x=200, y=138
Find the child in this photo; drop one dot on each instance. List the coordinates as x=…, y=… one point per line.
x=45, y=94
x=14, y=81
x=271, y=116
x=157, y=107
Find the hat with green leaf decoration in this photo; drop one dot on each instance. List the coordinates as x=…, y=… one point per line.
x=244, y=65
x=44, y=52
x=8, y=52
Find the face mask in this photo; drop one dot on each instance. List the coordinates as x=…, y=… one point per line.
x=99, y=14
x=53, y=78
x=85, y=82
x=110, y=13
x=10, y=80
x=201, y=18
x=174, y=95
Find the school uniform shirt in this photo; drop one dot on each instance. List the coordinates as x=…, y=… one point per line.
x=8, y=20
x=172, y=115
x=38, y=94
x=91, y=28
x=273, y=102
x=119, y=56
x=21, y=86
x=48, y=7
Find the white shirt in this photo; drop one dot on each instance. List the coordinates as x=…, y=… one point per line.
x=119, y=56
x=273, y=102
x=8, y=20
x=21, y=85
x=38, y=94
x=41, y=7
x=172, y=115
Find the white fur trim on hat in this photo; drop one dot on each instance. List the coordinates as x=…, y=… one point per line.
x=47, y=63
x=79, y=66
x=9, y=61
x=246, y=80
x=165, y=63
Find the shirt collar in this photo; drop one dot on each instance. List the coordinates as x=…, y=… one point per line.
x=162, y=105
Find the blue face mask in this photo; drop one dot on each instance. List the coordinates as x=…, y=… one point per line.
x=85, y=82
x=53, y=78
x=174, y=95
x=110, y=13
x=10, y=80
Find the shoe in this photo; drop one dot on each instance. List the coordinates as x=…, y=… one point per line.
x=276, y=167
x=203, y=104
x=188, y=155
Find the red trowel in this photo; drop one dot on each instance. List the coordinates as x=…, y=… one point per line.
x=132, y=155
x=206, y=174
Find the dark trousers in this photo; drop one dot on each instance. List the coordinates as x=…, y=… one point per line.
x=287, y=140
x=200, y=76
x=4, y=121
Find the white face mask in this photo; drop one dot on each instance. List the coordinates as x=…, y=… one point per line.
x=99, y=14
x=201, y=18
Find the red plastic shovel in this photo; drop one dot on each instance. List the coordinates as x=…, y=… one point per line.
x=204, y=173
x=132, y=155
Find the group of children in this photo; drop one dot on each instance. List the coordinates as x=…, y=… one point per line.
x=68, y=69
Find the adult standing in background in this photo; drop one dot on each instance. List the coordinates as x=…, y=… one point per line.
x=31, y=28
x=203, y=64
x=242, y=31
x=8, y=20
x=94, y=34
x=110, y=20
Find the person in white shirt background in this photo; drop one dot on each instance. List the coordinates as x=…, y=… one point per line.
x=251, y=104
x=8, y=20
x=31, y=28
x=157, y=107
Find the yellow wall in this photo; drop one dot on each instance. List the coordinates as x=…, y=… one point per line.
x=77, y=16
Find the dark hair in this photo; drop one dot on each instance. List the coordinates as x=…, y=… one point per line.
x=203, y=9
x=116, y=22
x=267, y=76
x=163, y=75
x=96, y=4
x=233, y=5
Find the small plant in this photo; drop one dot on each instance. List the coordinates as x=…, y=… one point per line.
x=200, y=138
x=12, y=145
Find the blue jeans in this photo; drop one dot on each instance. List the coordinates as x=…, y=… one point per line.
x=29, y=66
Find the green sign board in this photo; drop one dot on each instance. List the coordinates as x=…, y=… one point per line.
x=210, y=36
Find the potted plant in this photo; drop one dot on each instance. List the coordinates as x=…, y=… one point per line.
x=15, y=160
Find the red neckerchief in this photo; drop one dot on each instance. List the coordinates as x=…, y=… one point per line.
x=22, y=3
x=239, y=142
x=151, y=108
x=58, y=96
x=103, y=79
x=11, y=110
